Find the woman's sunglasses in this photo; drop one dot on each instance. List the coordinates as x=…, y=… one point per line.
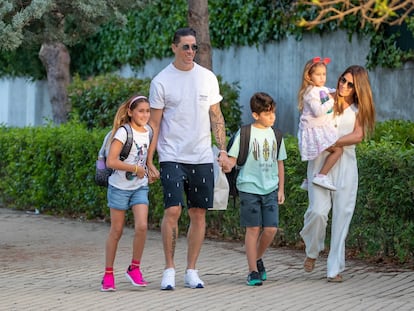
x=346, y=82
x=186, y=47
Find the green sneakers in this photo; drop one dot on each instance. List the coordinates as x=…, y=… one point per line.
x=253, y=279
x=261, y=269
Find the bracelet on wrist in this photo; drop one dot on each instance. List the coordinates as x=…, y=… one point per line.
x=136, y=169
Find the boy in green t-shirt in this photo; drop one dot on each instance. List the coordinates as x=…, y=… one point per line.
x=260, y=184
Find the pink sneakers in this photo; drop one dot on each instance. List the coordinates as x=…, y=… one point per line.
x=108, y=283
x=135, y=276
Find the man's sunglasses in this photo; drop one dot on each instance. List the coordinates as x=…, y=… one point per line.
x=186, y=47
x=346, y=82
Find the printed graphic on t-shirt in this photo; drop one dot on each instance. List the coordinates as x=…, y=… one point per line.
x=274, y=151
x=202, y=98
x=139, y=160
x=266, y=150
x=141, y=155
x=266, y=153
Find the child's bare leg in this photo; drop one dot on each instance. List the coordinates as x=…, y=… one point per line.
x=331, y=159
x=265, y=239
x=250, y=241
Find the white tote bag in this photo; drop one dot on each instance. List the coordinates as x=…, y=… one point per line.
x=221, y=186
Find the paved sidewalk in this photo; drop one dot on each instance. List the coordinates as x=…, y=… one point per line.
x=49, y=263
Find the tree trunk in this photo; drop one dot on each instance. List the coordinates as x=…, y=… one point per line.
x=198, y=19
x=56, y=59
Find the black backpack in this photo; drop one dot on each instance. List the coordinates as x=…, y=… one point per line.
x=242, y=157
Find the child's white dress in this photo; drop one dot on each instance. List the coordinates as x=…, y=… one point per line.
x=316, y=129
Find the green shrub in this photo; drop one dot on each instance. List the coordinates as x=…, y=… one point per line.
x=52, y=169
x=96, y=100
x=292, y=211
x=230, y=106
x=383, y=223
x=398, y=132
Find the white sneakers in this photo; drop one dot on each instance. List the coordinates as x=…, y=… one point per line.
x=168, y=279
x=191, y=279
x=320, y=180
x=323, y=181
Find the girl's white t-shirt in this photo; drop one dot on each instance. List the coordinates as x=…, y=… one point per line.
x=137, y=156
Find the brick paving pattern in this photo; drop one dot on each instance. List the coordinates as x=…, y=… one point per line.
x=49, y=263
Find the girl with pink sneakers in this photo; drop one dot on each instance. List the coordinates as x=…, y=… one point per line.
x=128, y=187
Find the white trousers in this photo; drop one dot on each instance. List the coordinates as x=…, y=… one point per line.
x=342, y=202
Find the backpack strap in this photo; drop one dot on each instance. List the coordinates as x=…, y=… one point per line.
x=150, y=131
x=244, y=144
x=279, y=136
x=103, y=152
x=128, y=143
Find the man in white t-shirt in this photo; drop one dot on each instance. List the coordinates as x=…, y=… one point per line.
x=185, y=107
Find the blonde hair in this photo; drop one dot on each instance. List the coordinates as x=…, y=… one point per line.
x=310, y=67
x=122, y=116
x=362, y=98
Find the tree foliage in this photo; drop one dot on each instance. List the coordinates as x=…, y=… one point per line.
x=147, y=34
x=16, y=16
x=54, y=25
x=41, y=21
x=375, y=12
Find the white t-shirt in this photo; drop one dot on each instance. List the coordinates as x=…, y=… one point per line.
x=137, y=156
x=185, y=97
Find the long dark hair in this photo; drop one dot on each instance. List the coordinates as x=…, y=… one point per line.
x=362, y=98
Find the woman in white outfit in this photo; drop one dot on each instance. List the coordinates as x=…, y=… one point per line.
x=354, y=117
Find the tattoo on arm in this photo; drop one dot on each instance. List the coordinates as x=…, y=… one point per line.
x=218, y=127
x=174, y=241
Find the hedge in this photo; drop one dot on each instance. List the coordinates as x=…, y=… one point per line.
x=52, y=169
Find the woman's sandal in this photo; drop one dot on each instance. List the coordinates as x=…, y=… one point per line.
x=336, y=279
x=309, y=264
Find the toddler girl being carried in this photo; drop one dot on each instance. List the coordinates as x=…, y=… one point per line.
x=317, y=132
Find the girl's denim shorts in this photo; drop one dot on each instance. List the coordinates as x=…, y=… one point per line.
x=125, y=199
